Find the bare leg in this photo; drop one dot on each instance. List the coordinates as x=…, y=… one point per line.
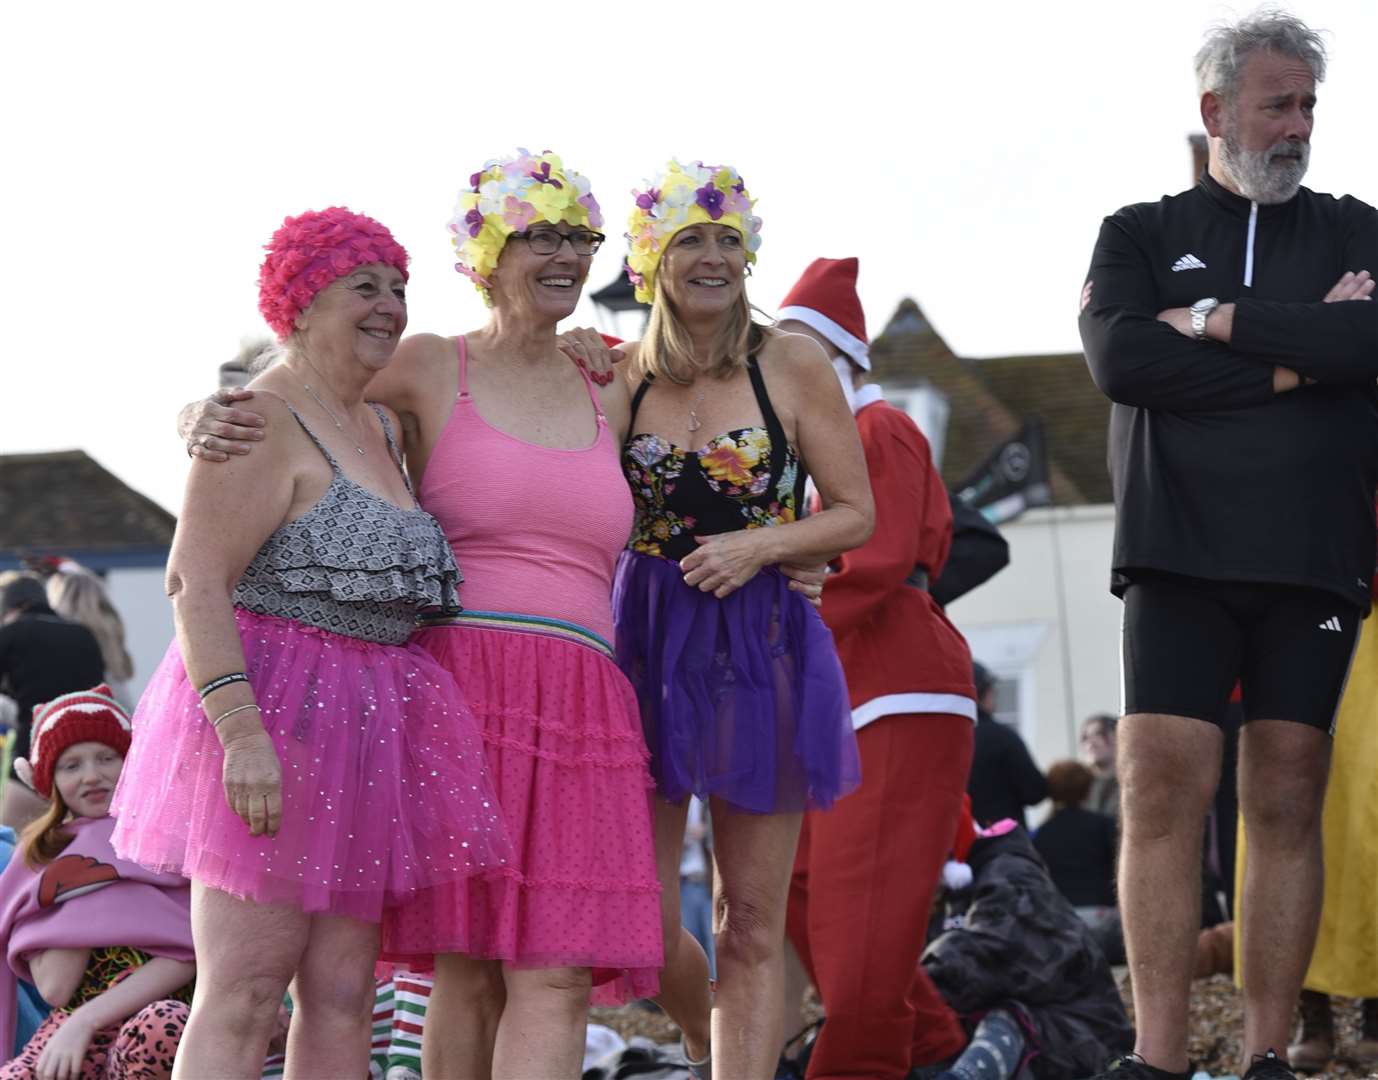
x=796, y=986
x=20, y=806
x=1283, y=768
x=246, y=954
x=333, y=992
x=755, y=854
x=542, y=1029
x=465, y=1008
x=684, y=980
x=1169, y=767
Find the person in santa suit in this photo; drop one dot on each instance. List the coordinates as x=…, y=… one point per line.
x=866, y=869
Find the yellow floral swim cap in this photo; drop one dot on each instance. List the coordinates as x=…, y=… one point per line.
x=680, y=196
x=508, y=195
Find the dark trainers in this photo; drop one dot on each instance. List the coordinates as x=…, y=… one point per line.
x=1133, y=1067
x=1269, y=1067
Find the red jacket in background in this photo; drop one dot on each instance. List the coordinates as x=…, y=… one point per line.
x=898, y=650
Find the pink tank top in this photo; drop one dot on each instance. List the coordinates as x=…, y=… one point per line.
x=536, y=530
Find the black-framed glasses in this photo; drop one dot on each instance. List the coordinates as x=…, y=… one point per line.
x=548, y=241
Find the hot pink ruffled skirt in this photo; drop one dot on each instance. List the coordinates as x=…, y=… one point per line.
x=384, y=784
x=567, y=757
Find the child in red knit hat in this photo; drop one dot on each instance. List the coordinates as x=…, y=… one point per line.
x=106, y=942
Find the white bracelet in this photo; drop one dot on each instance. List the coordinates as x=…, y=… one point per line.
x=231, y=712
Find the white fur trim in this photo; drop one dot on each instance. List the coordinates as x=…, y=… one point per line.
x=956, y=875
x=852, y=345
x=869, y=394
x=896, y=704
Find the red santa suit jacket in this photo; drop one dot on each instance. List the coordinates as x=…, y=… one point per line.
x=898, y=650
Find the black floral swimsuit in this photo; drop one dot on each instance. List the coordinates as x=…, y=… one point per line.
x=748, y=478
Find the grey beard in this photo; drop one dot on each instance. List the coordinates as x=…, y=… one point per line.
x=1255, y=177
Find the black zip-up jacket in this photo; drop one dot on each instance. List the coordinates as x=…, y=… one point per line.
x=1214, y=475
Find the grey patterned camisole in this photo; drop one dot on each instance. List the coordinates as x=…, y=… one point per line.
x=354, y=564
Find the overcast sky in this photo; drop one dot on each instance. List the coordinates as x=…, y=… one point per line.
x=966, y=155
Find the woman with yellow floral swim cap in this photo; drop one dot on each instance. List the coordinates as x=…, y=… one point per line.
x=742, y=697
x=515, y=451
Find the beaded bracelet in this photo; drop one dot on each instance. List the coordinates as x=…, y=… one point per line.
x=231, y=712
x=224, y=680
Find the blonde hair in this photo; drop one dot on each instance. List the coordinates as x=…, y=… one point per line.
x=44, y=840
x=78, y=595
x=667, y=350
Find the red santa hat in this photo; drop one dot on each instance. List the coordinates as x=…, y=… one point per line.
x=825, y=298
x=86, y=716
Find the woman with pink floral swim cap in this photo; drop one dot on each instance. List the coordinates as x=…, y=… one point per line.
x=515, y=451
x=293, y=755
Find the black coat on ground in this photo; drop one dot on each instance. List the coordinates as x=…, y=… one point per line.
x=1016, y=942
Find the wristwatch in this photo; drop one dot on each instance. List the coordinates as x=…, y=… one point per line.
x=1200, y=311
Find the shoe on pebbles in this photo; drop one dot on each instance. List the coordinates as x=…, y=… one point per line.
x=1269, y=1066
x=1133, y=1067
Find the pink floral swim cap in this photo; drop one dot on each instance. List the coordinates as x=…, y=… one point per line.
x=310, y=251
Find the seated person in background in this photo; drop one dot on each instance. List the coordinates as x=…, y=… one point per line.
x=1014, y=954
x=1098, y=754
x=1079, y=847
x=1004, y=778
x=106, y=942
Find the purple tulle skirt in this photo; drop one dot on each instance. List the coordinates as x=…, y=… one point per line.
x=384, y=785
x=742, y=698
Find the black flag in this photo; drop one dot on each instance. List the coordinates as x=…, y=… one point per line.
x=1013, y=478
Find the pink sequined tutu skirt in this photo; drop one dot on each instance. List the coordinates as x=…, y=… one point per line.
x=567, y=757
x=384, y=785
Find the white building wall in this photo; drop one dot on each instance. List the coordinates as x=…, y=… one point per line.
x=1049, y=623
x=139, y=596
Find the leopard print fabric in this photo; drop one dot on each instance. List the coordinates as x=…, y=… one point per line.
x=142, y=1048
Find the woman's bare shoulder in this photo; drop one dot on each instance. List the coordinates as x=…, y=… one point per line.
x=794, y=356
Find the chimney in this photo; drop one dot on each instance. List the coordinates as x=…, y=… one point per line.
x=1199, y=156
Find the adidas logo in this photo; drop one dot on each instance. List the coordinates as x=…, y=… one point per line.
x=1332, y=623
x=1188, y=262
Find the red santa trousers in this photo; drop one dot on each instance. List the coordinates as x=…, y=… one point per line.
x=863, y=883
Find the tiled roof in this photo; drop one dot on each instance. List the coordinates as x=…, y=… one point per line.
x=1058, y=390
x=989, y=400
x=65, y=502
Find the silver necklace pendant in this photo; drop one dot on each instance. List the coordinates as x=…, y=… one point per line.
x=694, y=422
x=333, y=418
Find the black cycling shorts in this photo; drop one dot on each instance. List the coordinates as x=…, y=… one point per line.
x=1188, y=641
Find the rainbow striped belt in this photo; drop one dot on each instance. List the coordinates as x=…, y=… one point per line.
x=518, y=624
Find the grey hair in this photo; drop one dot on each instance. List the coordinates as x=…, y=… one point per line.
x=1229, y=45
